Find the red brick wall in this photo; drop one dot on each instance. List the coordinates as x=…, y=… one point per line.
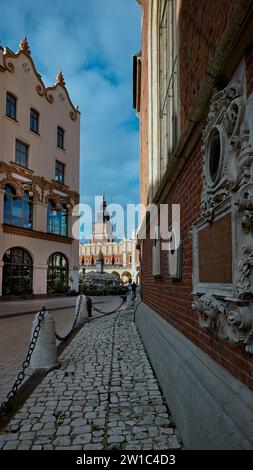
x=249, y=69
x=201, y=26
x=172, y=299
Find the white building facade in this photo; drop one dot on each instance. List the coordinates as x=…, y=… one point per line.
x=39, y=180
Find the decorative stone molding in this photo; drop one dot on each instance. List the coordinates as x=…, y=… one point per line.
x=60, y=79
x=244, y=278
x=209, y=309
x=23, y=232
x=225, y=119
x=227, y=319
x=41, y=188
x=228, y=190
x=244, y=201
x=41, y=89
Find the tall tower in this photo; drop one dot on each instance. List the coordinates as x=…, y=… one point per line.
x=102, y=228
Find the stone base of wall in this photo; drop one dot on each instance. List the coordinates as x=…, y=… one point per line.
x=211, y=409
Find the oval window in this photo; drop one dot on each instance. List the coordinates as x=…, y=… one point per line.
x=214, y=155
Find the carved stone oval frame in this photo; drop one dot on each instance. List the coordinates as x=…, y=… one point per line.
x=223, y=142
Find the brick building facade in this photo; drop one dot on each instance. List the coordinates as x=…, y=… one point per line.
x=193, y=94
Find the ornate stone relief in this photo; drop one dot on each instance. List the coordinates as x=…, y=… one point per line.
x=226, y=319
x=41, y=188
x=228, y=188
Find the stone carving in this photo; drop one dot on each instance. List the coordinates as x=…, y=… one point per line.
x=39, y=184
x=24, y=46
x=26, y=67
x=244, y=284
x=240, y=320
x=60, y=79
x=226, y=116
x=208, y=308
x=229, y=316
x=244, y=201
x=228, y=320
x=61, y=96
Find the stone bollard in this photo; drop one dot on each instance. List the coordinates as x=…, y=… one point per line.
x=89, y=307
x=83, y=314
x=44, y=355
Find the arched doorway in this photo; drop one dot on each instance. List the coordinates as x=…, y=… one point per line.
x=57, y=274
x=17, y=272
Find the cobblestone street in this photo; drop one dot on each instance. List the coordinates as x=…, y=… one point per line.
x=15, y=331
x=104, y=396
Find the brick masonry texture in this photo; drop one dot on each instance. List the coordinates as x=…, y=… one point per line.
x=201, y=26
x=173, y=299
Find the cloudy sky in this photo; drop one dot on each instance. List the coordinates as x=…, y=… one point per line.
x=93, y=41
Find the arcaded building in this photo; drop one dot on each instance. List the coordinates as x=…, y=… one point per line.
x=39, y=180
x=120, y=257
x=193, y=92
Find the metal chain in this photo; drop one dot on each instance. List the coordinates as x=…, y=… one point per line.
x=62, y=338
x=27, y=361
x=108, y=313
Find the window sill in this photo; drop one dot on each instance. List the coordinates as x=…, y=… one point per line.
x=34, y=133
x=13, y=120
x=21, y=166
x=58, y=182
x=61, y=148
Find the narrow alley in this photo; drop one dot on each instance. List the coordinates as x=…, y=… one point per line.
x=103, y=396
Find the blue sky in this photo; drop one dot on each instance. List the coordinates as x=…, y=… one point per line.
x=93, y=41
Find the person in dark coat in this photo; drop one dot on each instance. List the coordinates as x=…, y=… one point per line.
x=134, y=285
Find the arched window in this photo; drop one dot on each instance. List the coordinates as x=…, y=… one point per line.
x=57, y=219
x=17, y=272
x=17, y=211
x=57, y=274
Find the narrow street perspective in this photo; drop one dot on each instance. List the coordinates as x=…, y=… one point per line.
x=126, y=232
x=104, y=396
x=15, y=330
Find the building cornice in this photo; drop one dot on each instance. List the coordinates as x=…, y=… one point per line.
x=9, y=57
x=25, y=232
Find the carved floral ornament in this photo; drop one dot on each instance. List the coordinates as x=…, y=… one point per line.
x=228, y=184
x=226, y=319
x=39, y=186
x=42, y=90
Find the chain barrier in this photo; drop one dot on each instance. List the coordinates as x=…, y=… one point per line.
x=67, y=336
x=108, y=313
x=27, y=361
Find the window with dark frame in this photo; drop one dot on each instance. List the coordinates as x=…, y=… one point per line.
x=60, y=137
x=11, y=106
x=57, y=219
x=18, y=210
x=21, y=153
x=34, y=121
x=59, y=172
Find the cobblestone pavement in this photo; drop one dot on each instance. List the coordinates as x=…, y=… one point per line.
x=104, y=396
x=15, y=332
